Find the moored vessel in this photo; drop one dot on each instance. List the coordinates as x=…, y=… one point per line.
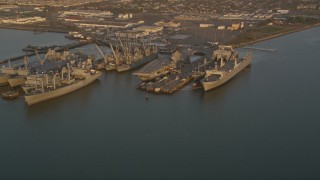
x=56, y=87
x=58, y=82
x=10, y=94
x=227, y=70
x=158, y=67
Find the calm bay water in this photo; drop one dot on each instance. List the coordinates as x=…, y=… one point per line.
x=264, y=124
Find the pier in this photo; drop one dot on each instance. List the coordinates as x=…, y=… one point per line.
x=259, y=49
x=62, y=48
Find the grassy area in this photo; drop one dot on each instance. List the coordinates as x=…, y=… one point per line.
x=39, y=27
x=269, y=29
x=265, y=32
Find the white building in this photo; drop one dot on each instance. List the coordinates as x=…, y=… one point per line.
x=130, y=34
x=221, y=27
x=167, y=24
x=125, y=16
x=204, y=25
x=28, y=20
x=85, y=13
x=149, y=29
x=283, y=11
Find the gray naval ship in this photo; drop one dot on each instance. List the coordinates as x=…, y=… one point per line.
x=227, y=66
x=42, y=87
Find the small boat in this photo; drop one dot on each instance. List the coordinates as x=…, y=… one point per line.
x=10, y=95
x=17, y=80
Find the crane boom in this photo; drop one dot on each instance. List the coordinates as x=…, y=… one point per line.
x=41, y=61
x=37, y=54
x=114, y=53
x=100, y=51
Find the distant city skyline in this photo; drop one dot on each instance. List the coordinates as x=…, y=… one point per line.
x=50, y=2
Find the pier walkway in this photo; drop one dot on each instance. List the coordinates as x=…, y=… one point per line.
x=259, y=49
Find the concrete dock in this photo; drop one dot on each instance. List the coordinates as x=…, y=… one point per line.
x=176, y=79
x=62, y=48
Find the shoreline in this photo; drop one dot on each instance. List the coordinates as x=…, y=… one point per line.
x=35, y=29
x=49, y=29
x=277, y=35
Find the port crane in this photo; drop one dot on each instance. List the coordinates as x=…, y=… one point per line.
x=41, y=61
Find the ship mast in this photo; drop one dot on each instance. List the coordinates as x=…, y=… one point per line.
x=69, y=71
x=143, y=46
x=25, y=61
x=54, y=80
x=124, y=49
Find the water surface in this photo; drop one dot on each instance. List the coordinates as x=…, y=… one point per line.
x=264, y=124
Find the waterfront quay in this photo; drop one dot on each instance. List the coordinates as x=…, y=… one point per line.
x=61, y=48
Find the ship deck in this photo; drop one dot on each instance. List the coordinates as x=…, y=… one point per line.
x=226, y=68
x=154, y=66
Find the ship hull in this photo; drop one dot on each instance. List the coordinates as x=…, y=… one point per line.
x=151, y=76
x=100, y=66
x=198, y=76
x=17, y=81
x=139, y=63
x=123, y=69
x=9, y=71
x=110, y=68
x=3, y=79
x=37, y=98
x=23, y=72
x=214, y=84
x=147, y=78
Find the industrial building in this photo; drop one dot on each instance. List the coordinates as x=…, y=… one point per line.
x=149, y=29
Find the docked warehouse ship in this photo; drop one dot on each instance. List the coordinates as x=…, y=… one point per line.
x=41, y=87
x=164, y=64
x=227, y=66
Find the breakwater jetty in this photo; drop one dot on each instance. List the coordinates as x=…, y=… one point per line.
x=259, y=49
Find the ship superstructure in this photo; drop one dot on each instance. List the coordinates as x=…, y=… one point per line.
x=55, y=83
x=227, y=66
